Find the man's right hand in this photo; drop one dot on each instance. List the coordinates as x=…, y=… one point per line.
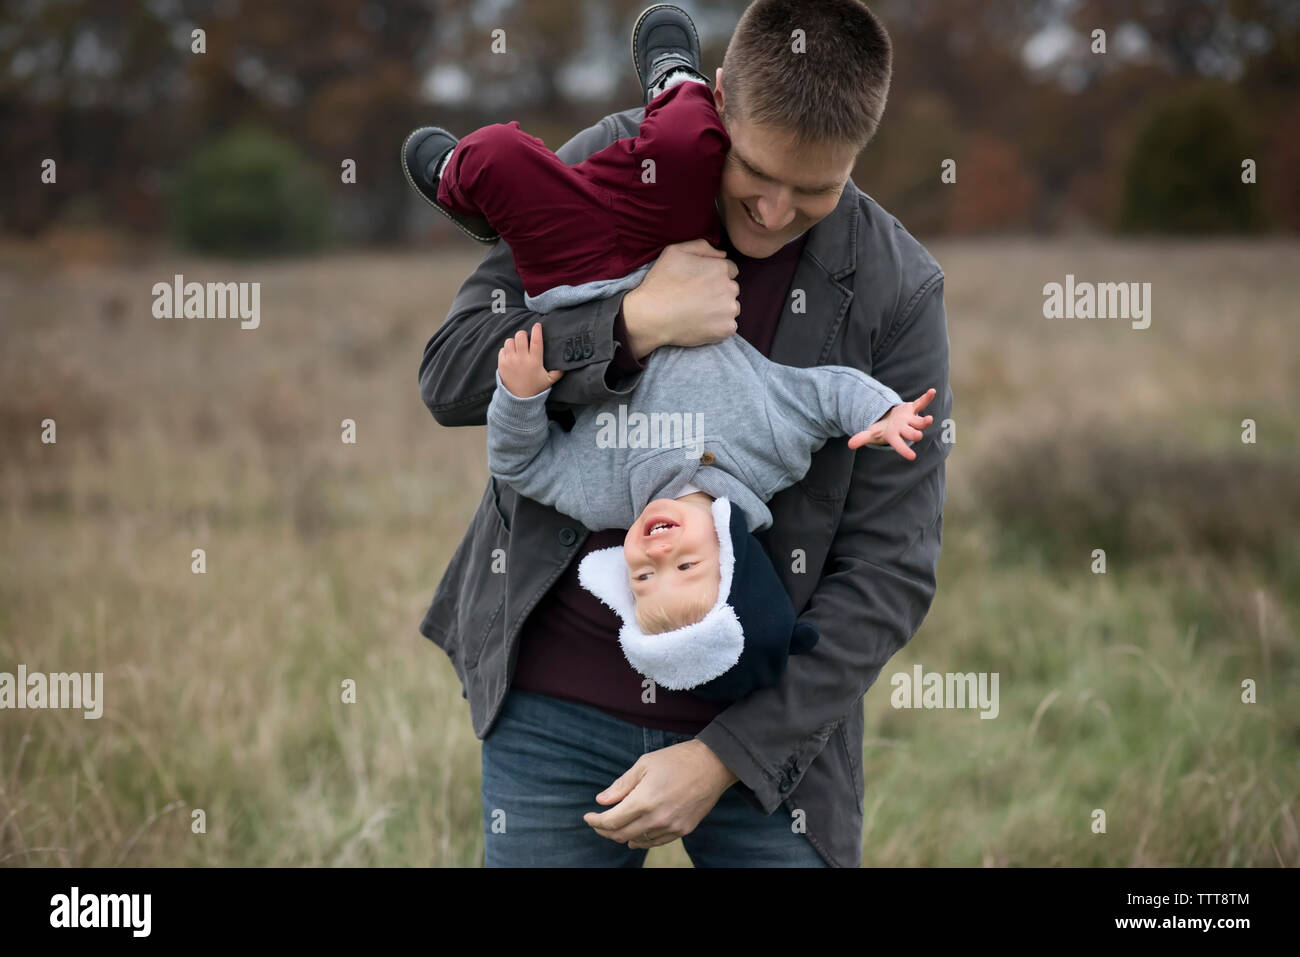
x=688, y=298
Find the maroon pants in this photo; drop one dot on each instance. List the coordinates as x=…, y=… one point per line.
x=609, y=214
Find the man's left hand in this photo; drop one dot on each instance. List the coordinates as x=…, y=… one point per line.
x=663, y=796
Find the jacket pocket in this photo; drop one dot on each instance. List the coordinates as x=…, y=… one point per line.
x=736, y=463
x=830, y=473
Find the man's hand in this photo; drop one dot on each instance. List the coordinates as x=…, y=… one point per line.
x=688, y=298
x=663, y=796
x=519, y=363
x=899, y=424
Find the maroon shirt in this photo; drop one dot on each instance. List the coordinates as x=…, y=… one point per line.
x=568, y=647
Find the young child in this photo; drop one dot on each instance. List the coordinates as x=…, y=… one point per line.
x=687, y=466
x=701, y=605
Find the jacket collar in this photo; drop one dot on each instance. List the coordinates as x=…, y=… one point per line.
x=804, y=337
x=833, y=240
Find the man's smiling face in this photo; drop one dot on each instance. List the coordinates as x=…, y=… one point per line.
x=787, y=188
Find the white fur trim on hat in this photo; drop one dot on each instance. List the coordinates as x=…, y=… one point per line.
x=684, y=657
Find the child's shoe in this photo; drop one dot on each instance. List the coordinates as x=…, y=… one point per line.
x=422, y=156
x=664, y=41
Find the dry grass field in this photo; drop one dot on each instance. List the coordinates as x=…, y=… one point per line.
x=1120, y=691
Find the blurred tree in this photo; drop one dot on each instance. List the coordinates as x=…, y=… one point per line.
x=342, y=77
x=1184, y=171
x=957, y=71
x=1278, y=168
x=565, y=63
x=1188, y=38
x=966, y=51
x=995, y=190
x=1271, y=84
x=900, y=168
x=111, y=90
x=75, y=77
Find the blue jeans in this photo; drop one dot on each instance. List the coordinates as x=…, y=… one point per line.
x=544, y=762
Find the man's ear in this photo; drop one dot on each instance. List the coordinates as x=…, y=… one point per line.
x=719, y=97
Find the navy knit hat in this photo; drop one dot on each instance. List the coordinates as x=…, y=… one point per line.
x=740, y=645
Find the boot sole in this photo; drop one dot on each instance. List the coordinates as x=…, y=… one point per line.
x=636, y=35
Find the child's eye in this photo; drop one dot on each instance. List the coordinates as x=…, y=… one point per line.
x=684, y=566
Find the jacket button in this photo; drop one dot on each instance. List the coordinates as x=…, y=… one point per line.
x=786, y=784
x=707, y=458
x=568, y=536
x=588, y=350
x=568, y=350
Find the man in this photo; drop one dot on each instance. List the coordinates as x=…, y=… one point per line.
x=812, y=271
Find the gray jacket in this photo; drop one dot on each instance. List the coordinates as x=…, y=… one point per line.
x=856, y=541
x=722, y=417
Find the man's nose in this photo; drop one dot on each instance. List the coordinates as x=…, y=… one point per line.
x=776, y=208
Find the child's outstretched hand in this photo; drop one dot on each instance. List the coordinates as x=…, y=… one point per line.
x=519, y=364
x=898, y=426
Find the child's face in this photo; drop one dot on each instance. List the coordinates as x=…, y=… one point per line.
x=672, y=554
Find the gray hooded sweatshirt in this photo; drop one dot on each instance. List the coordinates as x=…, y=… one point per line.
x=723, y=417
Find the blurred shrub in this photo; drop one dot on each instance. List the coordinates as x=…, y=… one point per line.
x=249, y=193
x=1184, y=171
x=1062, y=496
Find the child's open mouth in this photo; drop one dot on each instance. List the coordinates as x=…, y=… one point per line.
x=657, y=526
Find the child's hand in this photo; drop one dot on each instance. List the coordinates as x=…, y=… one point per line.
x=519, y=364
x=898, y=426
